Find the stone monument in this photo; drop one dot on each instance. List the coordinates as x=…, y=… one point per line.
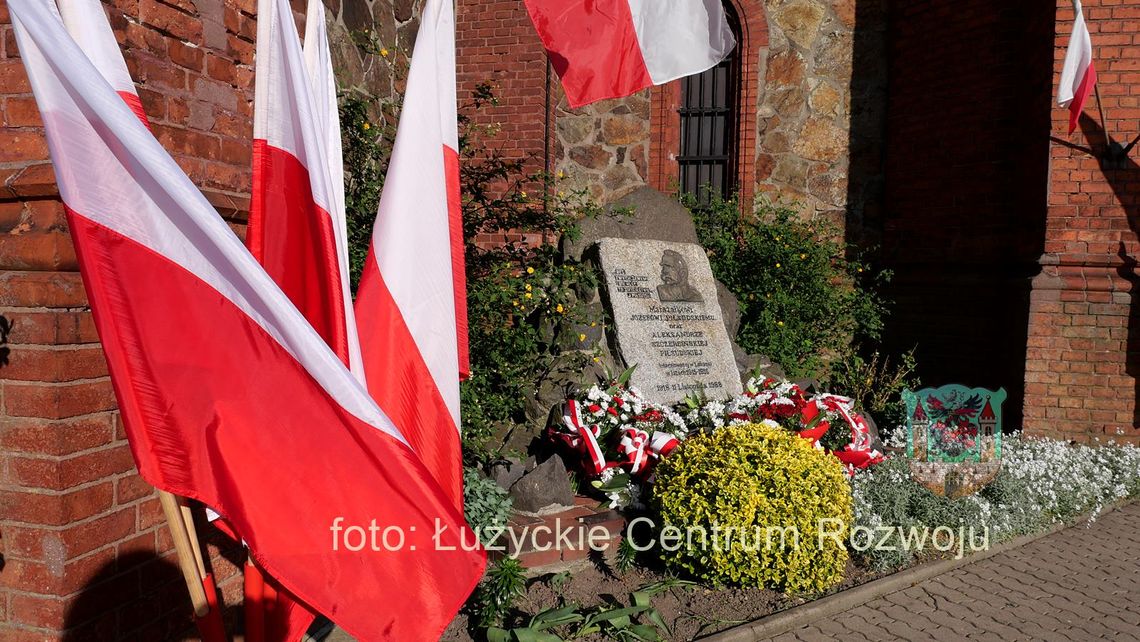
x=663, y=300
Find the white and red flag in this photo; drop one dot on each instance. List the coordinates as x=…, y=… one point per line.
x=296, y=219
x=222, y=383
x=88, y=26
x=614, y=48
x=411, y=304
x=1078, y=75
x=297, y=225
x=318, y=65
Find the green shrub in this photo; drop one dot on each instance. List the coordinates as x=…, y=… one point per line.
x=367, y=146
x=803, y=302
x=876, y=384
x=486, y=505
x=736, y=485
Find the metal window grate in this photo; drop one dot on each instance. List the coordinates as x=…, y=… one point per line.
x=709, y=107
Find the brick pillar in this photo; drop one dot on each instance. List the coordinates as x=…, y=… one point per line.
x=85, y=549
x=1083, y=360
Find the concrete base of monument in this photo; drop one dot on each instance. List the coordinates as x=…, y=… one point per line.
x=570, y=535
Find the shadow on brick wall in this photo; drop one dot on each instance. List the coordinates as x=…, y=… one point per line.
x=866, y=141
x=1122, y=174
x=964, y=205
x=5, y=329
x=140, y=596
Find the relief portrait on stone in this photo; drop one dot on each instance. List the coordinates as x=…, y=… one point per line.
x=675, y=280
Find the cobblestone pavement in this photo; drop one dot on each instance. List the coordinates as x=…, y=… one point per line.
x=1078, y=584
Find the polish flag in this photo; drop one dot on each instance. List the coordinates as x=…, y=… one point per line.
x=411, y=305
x=221, y=381
x=322, y=81
x=296, y=219
x=614, y=48
x=1078, y=76
x=284, y=219
x=88, y=26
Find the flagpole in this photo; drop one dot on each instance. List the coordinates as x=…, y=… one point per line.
x=185, y=550
x=1103, y=120
x=192, y=533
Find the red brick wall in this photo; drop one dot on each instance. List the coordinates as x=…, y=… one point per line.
x=1084, y=339
x=85, y=549
x=495, y=42
x=966, y=178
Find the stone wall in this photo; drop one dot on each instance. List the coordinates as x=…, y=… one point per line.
x=371, y=43
x=603, y=148
x=821, y=107
x=806, y=62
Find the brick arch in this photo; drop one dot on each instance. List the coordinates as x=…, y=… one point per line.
x=665, y=126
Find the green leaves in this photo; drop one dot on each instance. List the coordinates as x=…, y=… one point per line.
x=620, y=382
x=803, y=302
x=615, y=622
x=485, y=505
x=618, y=482
x=504, y=584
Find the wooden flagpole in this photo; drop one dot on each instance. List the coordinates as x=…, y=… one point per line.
x=192, y=532
x=1103, y=120
x=188, y=562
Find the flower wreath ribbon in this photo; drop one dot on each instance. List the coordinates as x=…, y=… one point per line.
x=639, y=450
x=581, y=437
x=642, y=452
x=858, y=453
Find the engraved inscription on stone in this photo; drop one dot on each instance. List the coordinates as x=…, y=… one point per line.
x=663, y=300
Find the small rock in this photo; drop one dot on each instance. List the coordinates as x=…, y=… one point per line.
x=800, y=21
x=624, y=130
x=746, y=363
x=821, y=140
x=508, y=471
x=547, y=485
x=591, y=156
x=785, y=69
x=729, y=309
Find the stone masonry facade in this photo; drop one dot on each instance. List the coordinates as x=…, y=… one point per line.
x=797, y=129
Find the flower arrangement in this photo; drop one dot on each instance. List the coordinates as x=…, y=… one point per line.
x=619, y=436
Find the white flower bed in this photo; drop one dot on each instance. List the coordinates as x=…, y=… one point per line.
x=1042, y=482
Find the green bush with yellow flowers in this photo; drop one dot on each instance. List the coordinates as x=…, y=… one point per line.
x=749, y=501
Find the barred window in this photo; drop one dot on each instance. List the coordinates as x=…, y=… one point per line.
x=710, y=103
